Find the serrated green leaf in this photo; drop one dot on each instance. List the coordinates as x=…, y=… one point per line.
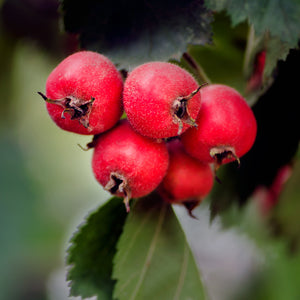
x=133, y=32
x=92, y=250
x=279, y=17
x=276, y=50
x=153, y=260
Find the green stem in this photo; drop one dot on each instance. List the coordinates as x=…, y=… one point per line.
x=199, y=70
x=249, y=47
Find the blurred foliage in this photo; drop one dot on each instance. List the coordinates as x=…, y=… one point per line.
x=278, y=275
x=22, y=242
x=35, y=198
x=285, y=217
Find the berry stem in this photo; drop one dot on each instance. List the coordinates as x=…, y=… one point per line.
x=190, y=206
x=251, y=43
x=91, y=144
x=193, y=64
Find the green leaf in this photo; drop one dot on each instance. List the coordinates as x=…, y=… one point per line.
x=279, y=17
x=92, y=250
x=153, y=260
x=276, y=50
x=133, y=32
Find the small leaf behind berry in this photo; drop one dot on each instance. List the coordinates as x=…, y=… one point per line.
x=153, y=259
x=92, y=249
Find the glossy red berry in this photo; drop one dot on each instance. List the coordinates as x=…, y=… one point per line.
x=84, y=93
x=161, y=99
x=187, y=180
x=226, y=126
x=127, y=164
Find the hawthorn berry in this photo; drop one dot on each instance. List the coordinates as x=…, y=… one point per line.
x=226, y=127
x=84, y=93
x=188, y=180
x=161, y=99
x=128, y=164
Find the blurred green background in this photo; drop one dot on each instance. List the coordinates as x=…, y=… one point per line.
x=46, y=183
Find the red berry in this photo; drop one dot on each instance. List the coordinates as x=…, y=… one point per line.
x=226, y=126
x=161, y=99
x=128, y=164
x=83, y=93
x=187, y=180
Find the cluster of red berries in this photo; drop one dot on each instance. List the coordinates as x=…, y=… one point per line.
x=174, y=131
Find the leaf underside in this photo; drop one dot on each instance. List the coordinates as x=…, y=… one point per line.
x=133, y=32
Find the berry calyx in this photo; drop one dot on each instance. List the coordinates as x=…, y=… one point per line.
x=128, y=164
x=161, y=99
x=180, y=111
x=84, y=93
x=226, y=127
x=78, y=109
x=221, y=153
x=118, y=184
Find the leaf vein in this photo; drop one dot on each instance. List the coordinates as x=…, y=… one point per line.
x=134, y=237
x=150, y=251
x=183, y=272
